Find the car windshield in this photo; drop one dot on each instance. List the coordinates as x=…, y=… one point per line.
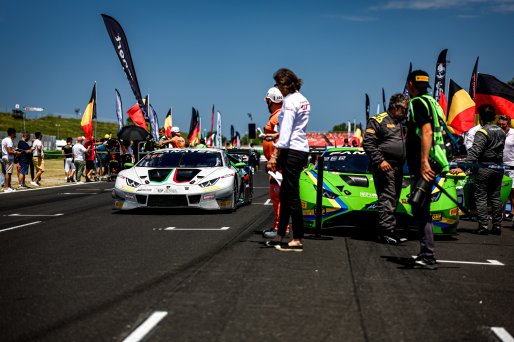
x=166, y=159
x=348, y=161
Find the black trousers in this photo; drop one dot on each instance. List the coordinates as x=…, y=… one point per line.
x=388, y=186
x=291, y=162
x=487, y=187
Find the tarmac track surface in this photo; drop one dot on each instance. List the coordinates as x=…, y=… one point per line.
x=72, y=270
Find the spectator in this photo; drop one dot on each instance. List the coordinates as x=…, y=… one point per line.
x=79, y=157
x=8, y=153
x=177, y=141
x=90, y=160
x=290, y=155
x=67, y=152
x=38, y=158
x=101, y=156
x=163, y=142
x=488, y=148
x=508, y=158
x=201, y=144
x=24, y=159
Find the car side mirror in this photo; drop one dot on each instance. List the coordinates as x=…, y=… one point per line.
x=240, y=165
x=128, y=165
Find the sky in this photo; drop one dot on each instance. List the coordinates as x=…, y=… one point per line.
x=224, y=53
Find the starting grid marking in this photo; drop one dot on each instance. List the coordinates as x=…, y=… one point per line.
x=193, y=229
x=488, y=263
x=34, y=215
x=143, y=330
x=20, y=226
x=502, y=334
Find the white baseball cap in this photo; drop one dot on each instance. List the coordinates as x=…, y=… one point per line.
x=274, y=95
x=175, y=129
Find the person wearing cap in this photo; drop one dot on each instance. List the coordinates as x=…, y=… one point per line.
x=274, y=102
x=176, y=140
x=426, y=156
x=384, y=143
x=290, y=155
x=488, y=148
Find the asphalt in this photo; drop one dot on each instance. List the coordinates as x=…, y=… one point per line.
x=73, y=270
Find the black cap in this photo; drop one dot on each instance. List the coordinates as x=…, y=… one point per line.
x=419, y=78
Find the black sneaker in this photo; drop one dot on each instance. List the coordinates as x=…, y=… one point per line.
x=508, y=217
x=481, y=231
x=428, y=263
x=391, y=238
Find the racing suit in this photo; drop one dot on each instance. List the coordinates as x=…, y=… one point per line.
x=488, y=148
x=268, y=147
x=384, y=140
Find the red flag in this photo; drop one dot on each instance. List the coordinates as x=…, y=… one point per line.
x=461, y=109
x=168, y=123
x=89, y=115
x=492, y=91
x=136, y=115
x=443, y=103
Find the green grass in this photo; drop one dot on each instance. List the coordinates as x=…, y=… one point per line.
x=68, y=127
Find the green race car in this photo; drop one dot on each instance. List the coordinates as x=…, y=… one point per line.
x=349, y=196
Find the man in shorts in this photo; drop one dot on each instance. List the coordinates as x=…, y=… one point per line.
x=69, y=167
x=38, y=158
x=8, y=154
x=24, y=159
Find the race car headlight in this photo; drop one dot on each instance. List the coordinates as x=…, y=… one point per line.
x=132, y=183
x=208, y=183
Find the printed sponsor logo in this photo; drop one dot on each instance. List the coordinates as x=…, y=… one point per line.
x=368, y=195
x=437, y=216
x=144, y=190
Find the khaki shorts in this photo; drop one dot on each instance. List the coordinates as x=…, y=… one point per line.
x=8, y=165
x=39, y=164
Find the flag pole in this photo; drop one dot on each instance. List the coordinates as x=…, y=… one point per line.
x=96, y=119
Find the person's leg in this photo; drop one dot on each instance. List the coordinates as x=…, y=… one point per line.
x=494, y=187
x=424, y=223
x=481, y=180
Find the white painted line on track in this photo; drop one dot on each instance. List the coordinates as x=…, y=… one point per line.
x=20, y=226
x=488, y=263
x=502, y=334
x=146, y=326
x=76, y=193
x=268, y=202
x=192, y=229
x=46, y=188
x=35, y=215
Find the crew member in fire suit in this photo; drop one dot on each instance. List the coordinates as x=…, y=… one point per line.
x=384, y=144
x=487, y=149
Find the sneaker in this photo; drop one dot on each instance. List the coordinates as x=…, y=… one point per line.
x=34, y=183
x=270, y=233
x=287, y=248
x=23, y=186
x=273, y=243
x=9, y=190
x=508, y=217
x=424, y=262
x=391, y=238
x=481, y=231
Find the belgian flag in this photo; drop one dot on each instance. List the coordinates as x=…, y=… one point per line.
x=461, y=109
x=492, y=91
x=168, y=123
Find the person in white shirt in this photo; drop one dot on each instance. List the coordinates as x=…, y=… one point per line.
x=8, y=153
x=38, y=158
x=79, y=157
x=290, y=155
x=508, y=158
x=469, y=136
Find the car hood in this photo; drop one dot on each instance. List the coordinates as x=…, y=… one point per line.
x=148, y=175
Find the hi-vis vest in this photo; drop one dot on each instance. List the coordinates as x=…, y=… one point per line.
x=437, y=151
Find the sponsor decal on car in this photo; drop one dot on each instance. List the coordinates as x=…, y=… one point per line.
x=144, y=190
x=211, y=188
x=368, y=195
x=437, y=216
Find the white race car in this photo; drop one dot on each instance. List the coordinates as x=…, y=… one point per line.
x=180, y=178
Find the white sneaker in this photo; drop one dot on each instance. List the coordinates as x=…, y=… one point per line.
x=9, y=190
x=34, y=183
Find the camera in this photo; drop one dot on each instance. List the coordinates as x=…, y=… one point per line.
x=422, y=186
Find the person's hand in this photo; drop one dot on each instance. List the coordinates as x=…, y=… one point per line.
x=426, y=171
x=272, y=164
x=385, y=166
x=456, y=171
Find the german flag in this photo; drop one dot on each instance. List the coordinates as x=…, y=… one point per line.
x=461, y=109
x=194, y=128
x=492, y=91
x=89, y=115
x=168, y=123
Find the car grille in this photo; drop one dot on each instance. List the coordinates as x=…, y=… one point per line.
x=158, y=175
x=141, y=199
x=194, y=199
x=167, y=201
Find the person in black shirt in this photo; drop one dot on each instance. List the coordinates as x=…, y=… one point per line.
x=24, y=159
x=384, y=143
x=67, y=152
